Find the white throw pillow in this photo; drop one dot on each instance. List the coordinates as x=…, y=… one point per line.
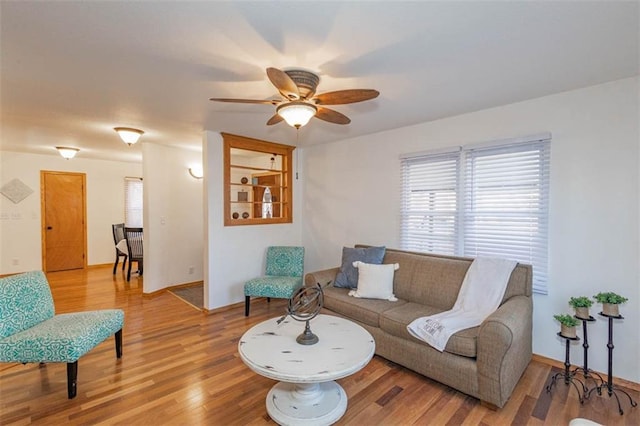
x=375, y=281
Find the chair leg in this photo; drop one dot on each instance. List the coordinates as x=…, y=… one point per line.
x=246, y=305
x=72, y=379
x=124, y=263
x=268, y=300
x=115, y=265
x=129, y=271
x=118, y=338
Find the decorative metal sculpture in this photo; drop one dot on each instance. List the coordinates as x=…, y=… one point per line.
x=305, y=305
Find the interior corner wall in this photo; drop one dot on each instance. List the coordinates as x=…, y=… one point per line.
x=173, y=217
x=352, y=195
x=20, y=224
x=235, y=254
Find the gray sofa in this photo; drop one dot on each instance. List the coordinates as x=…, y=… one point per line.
x=485, y=362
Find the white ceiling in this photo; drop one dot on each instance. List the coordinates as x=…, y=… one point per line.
x=71, y=71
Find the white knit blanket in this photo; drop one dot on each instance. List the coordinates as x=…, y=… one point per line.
x=480, y=295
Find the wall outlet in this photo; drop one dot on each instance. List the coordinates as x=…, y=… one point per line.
x=191, y=269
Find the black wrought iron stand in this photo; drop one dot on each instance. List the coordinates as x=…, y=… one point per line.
x=567, y=375
x=587, y=373
x=611, y=388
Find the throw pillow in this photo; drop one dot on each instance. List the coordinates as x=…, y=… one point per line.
x=347, y=277
x=375, y=281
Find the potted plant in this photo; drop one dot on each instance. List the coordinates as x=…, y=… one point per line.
x=581, y=304
x=610, y=302
x=567, y=325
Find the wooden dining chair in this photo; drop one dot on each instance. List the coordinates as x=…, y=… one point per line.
x=133, y=236
x=118, y=235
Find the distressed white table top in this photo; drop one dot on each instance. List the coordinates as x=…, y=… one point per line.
x=271, y=350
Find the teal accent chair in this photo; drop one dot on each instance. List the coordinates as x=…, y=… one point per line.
x=283, y=275
x=31, y=332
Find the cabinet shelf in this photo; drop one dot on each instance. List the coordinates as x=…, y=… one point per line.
x=256, y=169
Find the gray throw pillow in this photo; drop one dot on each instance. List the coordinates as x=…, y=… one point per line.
x=347, y=277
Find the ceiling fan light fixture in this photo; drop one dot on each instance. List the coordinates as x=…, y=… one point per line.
x=67, y=152
x=297, y=113
x=128, y=135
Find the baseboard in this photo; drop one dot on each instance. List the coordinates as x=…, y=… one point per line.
x=223, y=308
x=173, y=287
x=559, y=364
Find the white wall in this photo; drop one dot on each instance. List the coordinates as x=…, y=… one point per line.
x=235, y=254
x=20, y=224
x=173, y=217
x=352, y=189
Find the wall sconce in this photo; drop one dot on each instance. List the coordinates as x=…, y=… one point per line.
x=128, y=134
x=196, y=172
x=67, y=152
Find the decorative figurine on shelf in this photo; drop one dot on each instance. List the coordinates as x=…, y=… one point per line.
x=567, y=325
x=581, y=304
x=610, y=302
x=305, y=305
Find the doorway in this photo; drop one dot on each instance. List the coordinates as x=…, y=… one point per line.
x=64, y=229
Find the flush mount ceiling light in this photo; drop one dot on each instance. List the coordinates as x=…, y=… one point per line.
x=297, y=113
x=128, y=134
x=67, y=152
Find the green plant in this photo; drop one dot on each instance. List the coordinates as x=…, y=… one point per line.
x=609, y=297
x=580, y=302
x=567, y=320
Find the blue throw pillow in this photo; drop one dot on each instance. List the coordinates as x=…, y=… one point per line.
x=347, y=277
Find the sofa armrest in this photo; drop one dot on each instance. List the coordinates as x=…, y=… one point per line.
x=324, y=277
x=504, y=349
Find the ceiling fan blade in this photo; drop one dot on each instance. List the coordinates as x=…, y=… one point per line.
x=285, y=85
x=274, y=120
x=247, y=101
x=345, y=96
x=332, y=116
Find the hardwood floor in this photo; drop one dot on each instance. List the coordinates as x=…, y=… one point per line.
x=181, y=367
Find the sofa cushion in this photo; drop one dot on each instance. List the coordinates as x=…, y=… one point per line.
x=427, y=279
x=375, y=281
x=347, y=277
x=366, y=311
x=395, y=320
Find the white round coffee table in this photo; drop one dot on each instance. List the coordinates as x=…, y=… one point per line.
x=307, y=393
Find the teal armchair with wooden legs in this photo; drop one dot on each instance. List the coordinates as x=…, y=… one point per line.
x=31, y=332
x=283, y=275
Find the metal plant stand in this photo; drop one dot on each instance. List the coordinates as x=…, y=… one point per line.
x=567, y=375
x=587, y=373
x=610, y=387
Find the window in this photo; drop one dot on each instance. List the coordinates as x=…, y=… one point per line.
x=489, y=200
x=257, y=181
x=133, y=202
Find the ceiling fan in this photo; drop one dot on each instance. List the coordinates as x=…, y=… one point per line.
x=300, y=102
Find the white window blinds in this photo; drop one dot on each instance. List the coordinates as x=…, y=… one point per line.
x=430, y=203
x=133, y=202
x=480, y=201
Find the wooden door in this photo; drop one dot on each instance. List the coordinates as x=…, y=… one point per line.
x=64, y=241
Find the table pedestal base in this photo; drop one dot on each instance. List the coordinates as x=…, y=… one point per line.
x=306, y=403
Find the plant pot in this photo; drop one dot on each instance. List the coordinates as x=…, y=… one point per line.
x=582, y=312
x=568, y=331
x=610, y=309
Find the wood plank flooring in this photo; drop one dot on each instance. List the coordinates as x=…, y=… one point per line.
x=181, y=367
